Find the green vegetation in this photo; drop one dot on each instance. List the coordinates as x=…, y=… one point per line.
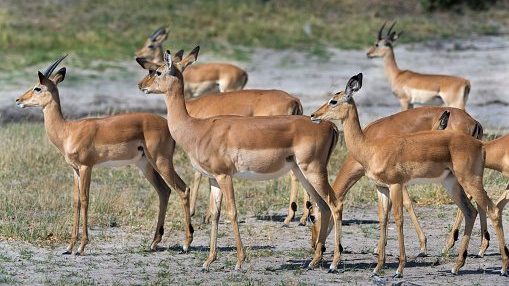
x=36, y=192
x=35, y=31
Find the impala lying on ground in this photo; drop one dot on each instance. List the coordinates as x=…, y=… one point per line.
x=141, y=139
x=405, y=122
x=257, y=148
x=252, y=102
x=453, y=158
x=411, y=87
x=200, y=78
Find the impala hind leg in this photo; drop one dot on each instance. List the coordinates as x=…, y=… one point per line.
x=307, y=207
x=76, y=213
x=384, y=206
x=407, y=203
x=312, y=183
x=85, y=176
x=294, y=192
x=454, y=233
x=469, y=213
x=216, y=195
x=164, y=166
x=485, y=235
x=163, y=192
x=195, y=186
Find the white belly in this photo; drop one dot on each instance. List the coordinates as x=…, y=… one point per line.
x=436, y=180
x=420, y=95
x=255, y=176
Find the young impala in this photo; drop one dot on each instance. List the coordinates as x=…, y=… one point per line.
x=411, y=87
x=201, y=78
x=141, y=139
x=453, y=158
x=406, y=122
x=249, y=102
x=257, y=148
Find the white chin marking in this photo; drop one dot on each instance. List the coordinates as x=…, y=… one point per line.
x=316, y=121
x=20, y=105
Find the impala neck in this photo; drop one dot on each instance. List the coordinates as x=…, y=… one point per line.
x=354, y=136
x=54, y=121
x=390, y=66
x=177, y=114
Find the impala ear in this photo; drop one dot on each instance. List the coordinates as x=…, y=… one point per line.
x=144, y=63
x=167, y=59
x=190, y=58
x=178, y=56
x=444, y=120
x=44, y=80
x=353, y=85
x=59, y=76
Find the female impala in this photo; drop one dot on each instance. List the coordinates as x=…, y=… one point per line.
x=201, y=78
x=411, y=87
x=142, y=139
x=251, y=102
x=453, y=158
x=257, y=148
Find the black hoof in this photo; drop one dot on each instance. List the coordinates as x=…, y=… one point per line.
x=302, y=224
x=285, y=225
x=77, y=254
x=67, y=252
x=397, y=275
x=331, y=270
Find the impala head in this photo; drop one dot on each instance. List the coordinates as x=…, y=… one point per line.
x=152, y=49
x=162, y=76
x=45, y=91
x=384, y=42
x=338, y=106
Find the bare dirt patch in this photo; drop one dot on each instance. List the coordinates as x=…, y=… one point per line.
x=276, y=255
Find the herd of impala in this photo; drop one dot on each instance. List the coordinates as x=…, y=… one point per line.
x=262, y=135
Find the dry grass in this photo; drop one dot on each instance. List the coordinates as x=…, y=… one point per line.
x=36, y=190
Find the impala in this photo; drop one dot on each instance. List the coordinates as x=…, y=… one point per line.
x=453, y=158
x=141, y=139
x=497, y=158
x=411, y=87
x=251, y=102
x=257, y=148
x=201, y=78
x=405, y=122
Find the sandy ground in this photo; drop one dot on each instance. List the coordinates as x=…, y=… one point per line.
x=484, y=61
x=275, y=256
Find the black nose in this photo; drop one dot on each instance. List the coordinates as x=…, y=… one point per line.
x=17, y=99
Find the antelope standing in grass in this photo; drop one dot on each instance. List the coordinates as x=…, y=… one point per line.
x=201, y=78
x=251, y=102
x=411, y=87
x=453, y=158
x=410, y=121
x=257, y=148
x=497, y=158
x=141, y=139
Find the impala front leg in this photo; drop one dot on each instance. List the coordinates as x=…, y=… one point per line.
x=216, y=195
x=307, y=206
x=85, y=176
x=76, y=212
x=397, y=201
x=194, y=191
x=407, y=203
x=383, y=213
x=226, y=185
x=294, y=192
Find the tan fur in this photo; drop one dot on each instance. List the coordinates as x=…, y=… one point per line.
x=254, y=102
x=411, y=87
x=135, y=138
x=260, y=147
x=397, y=160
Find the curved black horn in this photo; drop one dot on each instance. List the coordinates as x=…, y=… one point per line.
x=53, y=66
x=157, y=32
x=390, y=29
x=381, y=30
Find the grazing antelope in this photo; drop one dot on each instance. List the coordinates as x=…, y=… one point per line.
x=411, y=87
x=257, y=148
x=453, y=158
x=251, y=102
x=410, y=121
x=200, y=78
x=497, y=158
x=141, y=139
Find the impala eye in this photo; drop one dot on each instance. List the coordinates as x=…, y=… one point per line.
x=158, y=73
x=333, y=102
x=37, y=89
